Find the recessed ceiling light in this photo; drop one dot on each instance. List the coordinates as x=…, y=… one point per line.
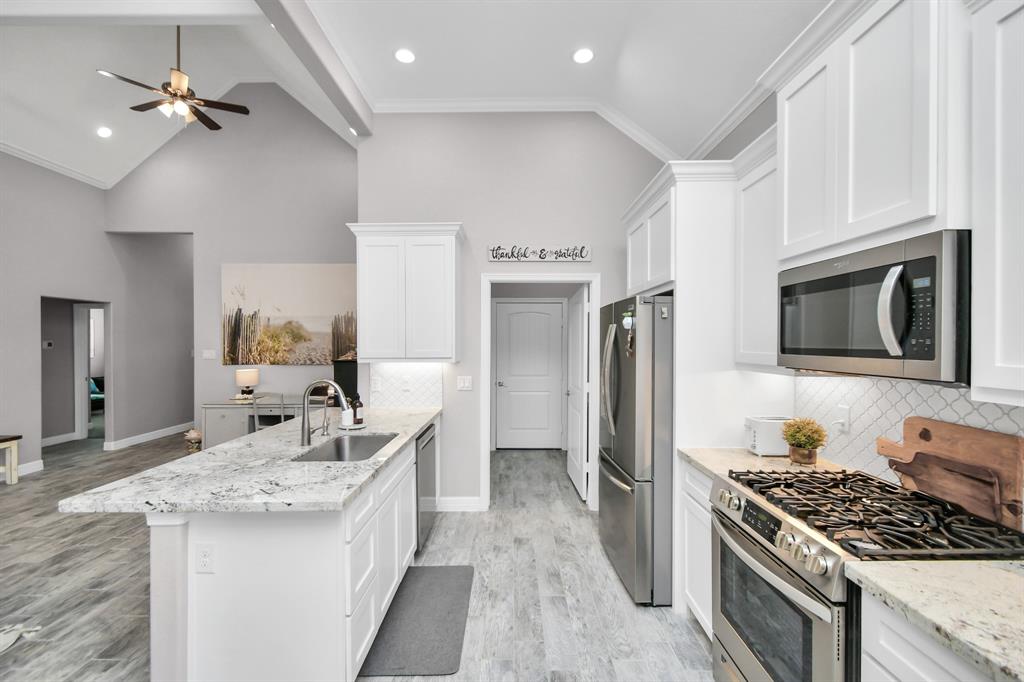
x=273, y=27
x=104, y=131
x=405, y=55
x=583, y=55
x=353, y=131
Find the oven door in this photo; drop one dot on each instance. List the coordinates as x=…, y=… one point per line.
x=770, y=623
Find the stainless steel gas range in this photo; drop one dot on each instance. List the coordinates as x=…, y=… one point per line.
x=782, y=608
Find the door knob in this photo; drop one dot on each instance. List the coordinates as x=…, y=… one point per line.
x=501, y=383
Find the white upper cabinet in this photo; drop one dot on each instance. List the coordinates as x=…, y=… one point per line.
x=873, y=130
x=757, y=310
x=888, y=68
x=997, y=301
x=649, y=237
x=407, y=278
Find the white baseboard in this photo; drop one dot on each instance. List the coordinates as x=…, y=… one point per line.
x=30, y=467
x=146, y=437
x=58, y=439
x=460, y=504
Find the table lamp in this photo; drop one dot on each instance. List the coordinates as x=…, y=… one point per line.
x=245, y=379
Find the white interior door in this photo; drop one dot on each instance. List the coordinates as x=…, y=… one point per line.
x=576, y=414
x=529, y=375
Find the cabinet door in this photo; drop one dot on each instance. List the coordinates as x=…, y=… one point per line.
x=757, y=310
x=997, y=302
x=637, y=256
x=807, y=138
x=389, y=573
x=659, y=242
x=697, y=580
x=429, y=297
x=223, y=424
x=887, y=64
x=380, y=292
x=407, y=524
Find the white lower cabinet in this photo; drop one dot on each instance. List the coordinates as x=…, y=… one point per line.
x=408, y=536
x=697, y=548
x=362, y=627
x=892, y=648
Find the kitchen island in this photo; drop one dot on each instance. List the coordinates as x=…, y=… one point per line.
x=267, y=568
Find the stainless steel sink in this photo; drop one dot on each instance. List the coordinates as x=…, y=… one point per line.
x=348, y=448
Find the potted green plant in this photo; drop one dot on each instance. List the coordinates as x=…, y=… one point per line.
x=804, y=436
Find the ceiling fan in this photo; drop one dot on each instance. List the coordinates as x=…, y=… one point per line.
x=178, y=98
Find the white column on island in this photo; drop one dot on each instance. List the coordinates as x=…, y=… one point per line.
x=168, y=597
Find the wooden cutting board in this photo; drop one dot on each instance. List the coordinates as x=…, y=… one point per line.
x=982, y=471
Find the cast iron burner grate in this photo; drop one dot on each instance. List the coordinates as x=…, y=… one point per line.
x=875, y=519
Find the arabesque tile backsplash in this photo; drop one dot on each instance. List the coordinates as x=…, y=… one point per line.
x=405, y=384
x=878, y=408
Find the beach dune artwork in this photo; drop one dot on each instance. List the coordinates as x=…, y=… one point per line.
x=288, y=314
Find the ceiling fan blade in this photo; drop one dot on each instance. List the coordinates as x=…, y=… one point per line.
x=150, y=105
x=129, y=81
x=214, y=104
x=203, y=118
x=179, y=81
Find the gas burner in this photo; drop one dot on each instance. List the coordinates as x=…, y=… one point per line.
x=875, y=519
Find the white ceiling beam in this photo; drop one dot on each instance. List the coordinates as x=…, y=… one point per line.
x=149, y=12
x=295, y=22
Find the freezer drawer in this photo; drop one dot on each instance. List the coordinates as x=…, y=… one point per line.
x=625, y=521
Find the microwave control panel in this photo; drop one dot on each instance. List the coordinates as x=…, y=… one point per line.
x=921, y=306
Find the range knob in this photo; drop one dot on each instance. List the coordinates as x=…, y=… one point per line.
x=800, y=552
x=784, y=540
x=723, y=496
x=735, y=503
x=816, y=564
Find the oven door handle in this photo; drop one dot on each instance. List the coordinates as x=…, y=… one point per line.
x=805, y=602
x=885, y=294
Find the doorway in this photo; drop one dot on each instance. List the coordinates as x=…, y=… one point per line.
x=539, y=360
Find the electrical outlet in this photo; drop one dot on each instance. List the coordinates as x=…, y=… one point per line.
x=842, y=422
x=464, y=383
x=376, y=384
x=205, y=559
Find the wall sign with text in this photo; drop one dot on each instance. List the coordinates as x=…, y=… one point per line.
x=527, y=253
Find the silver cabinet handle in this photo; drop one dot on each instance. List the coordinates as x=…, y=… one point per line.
x=808, y=604
x=885, y=294
x=606, y=377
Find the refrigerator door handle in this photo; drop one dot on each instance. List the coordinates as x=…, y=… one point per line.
x=606, y=377
x=607, y=472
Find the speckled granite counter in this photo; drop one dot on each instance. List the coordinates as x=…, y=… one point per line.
x=719, y=461
x=974, y=608
x=256, y=473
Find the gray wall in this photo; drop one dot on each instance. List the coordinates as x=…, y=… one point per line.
x=749, y=129
x=543, y=177
x=58, y=366
x=153, y=331
x=533, y=290
x=274, y=187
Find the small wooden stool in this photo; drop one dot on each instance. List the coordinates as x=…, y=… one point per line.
x=9, y=444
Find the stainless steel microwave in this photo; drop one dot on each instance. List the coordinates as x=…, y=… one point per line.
x=899, y=310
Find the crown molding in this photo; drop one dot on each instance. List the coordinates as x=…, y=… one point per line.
x=54, y=166
x=529, y=105
x=675, y=172
x=755, y=153
x=753, y=98
x=831, y=21
x=422, y=229
x=975, y=5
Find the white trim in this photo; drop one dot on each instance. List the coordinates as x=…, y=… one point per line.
x=461, y=504
x=616, y=118
x=80, y=368
x=421, y=229
x=674, y=172
x=146, y=437
x=48, y=164
x=593, y=280
x=755, y=153
x=58, y=439
x=30, y=467
x=753, y=98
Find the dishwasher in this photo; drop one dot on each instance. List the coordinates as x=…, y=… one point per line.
x=426, y=485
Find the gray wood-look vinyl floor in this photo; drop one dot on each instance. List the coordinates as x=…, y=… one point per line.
x=546, y=604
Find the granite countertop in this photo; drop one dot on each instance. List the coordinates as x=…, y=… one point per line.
x=256, y=473
x=974, y=608
x=719, y=461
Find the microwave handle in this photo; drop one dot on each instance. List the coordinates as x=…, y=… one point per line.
x=889, y=338
x=809, y=604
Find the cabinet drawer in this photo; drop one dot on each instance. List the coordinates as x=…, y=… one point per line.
x=697, y=484
x=361, y=559
x=394, y=471
x=359, y=512
x=361, y=627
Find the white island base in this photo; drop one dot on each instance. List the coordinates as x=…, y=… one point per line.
x=275, y=596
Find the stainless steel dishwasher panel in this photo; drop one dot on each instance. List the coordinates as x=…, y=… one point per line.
x=426, y=485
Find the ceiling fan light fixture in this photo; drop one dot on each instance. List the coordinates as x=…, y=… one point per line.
x=166, y=109
x=180, y=107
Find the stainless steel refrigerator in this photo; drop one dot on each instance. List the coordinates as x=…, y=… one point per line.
x=635, y=490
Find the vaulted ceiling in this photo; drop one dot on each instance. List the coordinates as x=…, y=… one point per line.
x=665, y=71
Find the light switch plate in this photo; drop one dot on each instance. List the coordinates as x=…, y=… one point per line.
x=209, y=354
x=464, y=383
